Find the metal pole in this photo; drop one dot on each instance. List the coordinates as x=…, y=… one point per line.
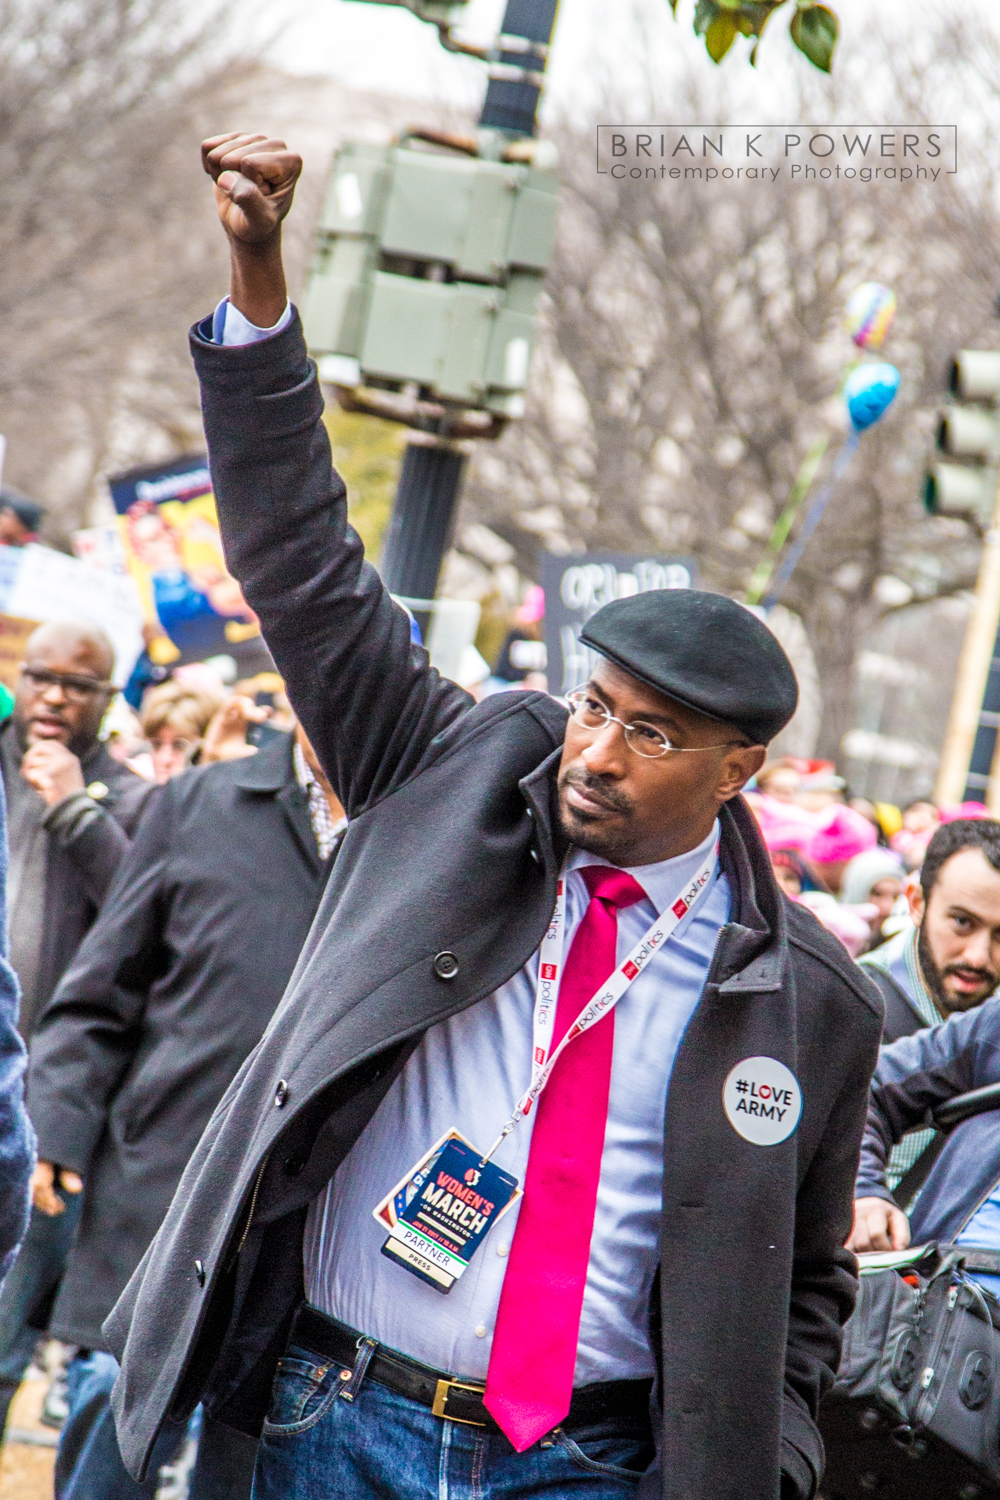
x=421, y=521
x=515, y=86
x=429, y=482
x=965, y=721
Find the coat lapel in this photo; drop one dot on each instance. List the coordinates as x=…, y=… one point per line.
x=294, y=803
x=272, y=772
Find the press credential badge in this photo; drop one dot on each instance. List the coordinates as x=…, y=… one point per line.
x=443, y=1209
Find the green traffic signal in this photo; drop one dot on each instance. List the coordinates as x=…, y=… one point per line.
x=968, y=430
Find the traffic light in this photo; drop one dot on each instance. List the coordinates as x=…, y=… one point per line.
x=968, y=430
x=427, y=272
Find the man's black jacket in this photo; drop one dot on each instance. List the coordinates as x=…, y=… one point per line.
x=169, y=992
x=87, y=840
x=453, y=848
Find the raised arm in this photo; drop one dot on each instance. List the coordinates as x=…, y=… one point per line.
x=368, y=700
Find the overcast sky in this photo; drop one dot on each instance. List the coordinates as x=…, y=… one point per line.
x=597, y=43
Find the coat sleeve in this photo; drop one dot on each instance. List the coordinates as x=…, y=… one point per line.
x=368, y=699
x=915, y=1075
x=824, y=1274
x=89, y=1032
x=17, y=1139
x=94, y=841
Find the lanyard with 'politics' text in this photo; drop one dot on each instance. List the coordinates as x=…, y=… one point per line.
x=604, y=999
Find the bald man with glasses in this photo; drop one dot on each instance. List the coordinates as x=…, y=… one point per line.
x=72, y=811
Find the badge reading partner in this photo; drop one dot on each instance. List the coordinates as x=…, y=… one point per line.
x=762, y=1100
x=441, y=1212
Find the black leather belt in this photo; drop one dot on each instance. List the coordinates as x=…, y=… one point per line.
x=624, y=1401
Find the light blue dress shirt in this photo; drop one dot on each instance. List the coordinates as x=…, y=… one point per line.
x=468, y=1072
x=983, y=1229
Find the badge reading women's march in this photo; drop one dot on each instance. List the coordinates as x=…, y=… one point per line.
x=762, y=1100
x=440, y=1213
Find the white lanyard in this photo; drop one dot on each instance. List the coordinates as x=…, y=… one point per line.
x=605, y=998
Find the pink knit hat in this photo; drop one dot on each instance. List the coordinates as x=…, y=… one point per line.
x=844, y=834
x=783, y=824
x=950, y=812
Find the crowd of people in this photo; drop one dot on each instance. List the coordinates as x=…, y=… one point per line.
x=140, y=995
x=285, y=972
x=849, y=860
x=136, y=873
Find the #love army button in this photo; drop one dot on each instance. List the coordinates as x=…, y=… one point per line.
x=762, y=1100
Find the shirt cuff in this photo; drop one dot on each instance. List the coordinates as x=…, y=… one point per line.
x=68, y=818
x=231, y=328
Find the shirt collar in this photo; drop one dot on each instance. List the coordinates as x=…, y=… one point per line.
x=661, y=881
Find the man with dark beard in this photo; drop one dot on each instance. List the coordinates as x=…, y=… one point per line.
x=950, y=959
x=949, y=965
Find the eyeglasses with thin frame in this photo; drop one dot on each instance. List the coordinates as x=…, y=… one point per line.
x=179, y=746
x=76, y=689
x=645, y=739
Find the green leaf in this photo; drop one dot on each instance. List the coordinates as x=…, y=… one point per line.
x=755, y=16
x=814, y=31
x=705, y=13
x=720, y=36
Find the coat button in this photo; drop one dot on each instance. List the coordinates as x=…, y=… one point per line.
x=293, y=1165
x=199, y=1271
x=445, y=965
x=280, y=1093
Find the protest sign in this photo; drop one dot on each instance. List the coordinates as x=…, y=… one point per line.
x=38, y=584
x=171, y=547
x=13, y=638
x=577, y=586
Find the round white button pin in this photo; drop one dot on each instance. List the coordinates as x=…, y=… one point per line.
x=762, y=1100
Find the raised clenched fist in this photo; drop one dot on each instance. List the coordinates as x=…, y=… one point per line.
x=52, y=770
x=254, y=180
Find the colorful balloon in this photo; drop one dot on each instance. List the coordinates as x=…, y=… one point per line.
x=869, y=392
x=870, y=310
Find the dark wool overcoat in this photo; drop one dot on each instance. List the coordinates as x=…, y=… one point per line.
x=453, y=848
x=169, y=992
x=81, y=860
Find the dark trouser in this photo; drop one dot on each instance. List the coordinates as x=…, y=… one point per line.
x=89, y=1465
x=33, y=1279
x=331, y=1438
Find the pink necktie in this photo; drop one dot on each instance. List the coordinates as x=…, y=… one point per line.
x=529, y=1384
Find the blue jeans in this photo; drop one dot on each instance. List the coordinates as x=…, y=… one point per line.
x=89, y=1465
x=33, y=1279
x=382, y=1446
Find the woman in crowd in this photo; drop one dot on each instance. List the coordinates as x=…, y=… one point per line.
x=174, y=719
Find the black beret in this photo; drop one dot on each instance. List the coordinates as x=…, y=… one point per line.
x=28, y=512
x=705, y=651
